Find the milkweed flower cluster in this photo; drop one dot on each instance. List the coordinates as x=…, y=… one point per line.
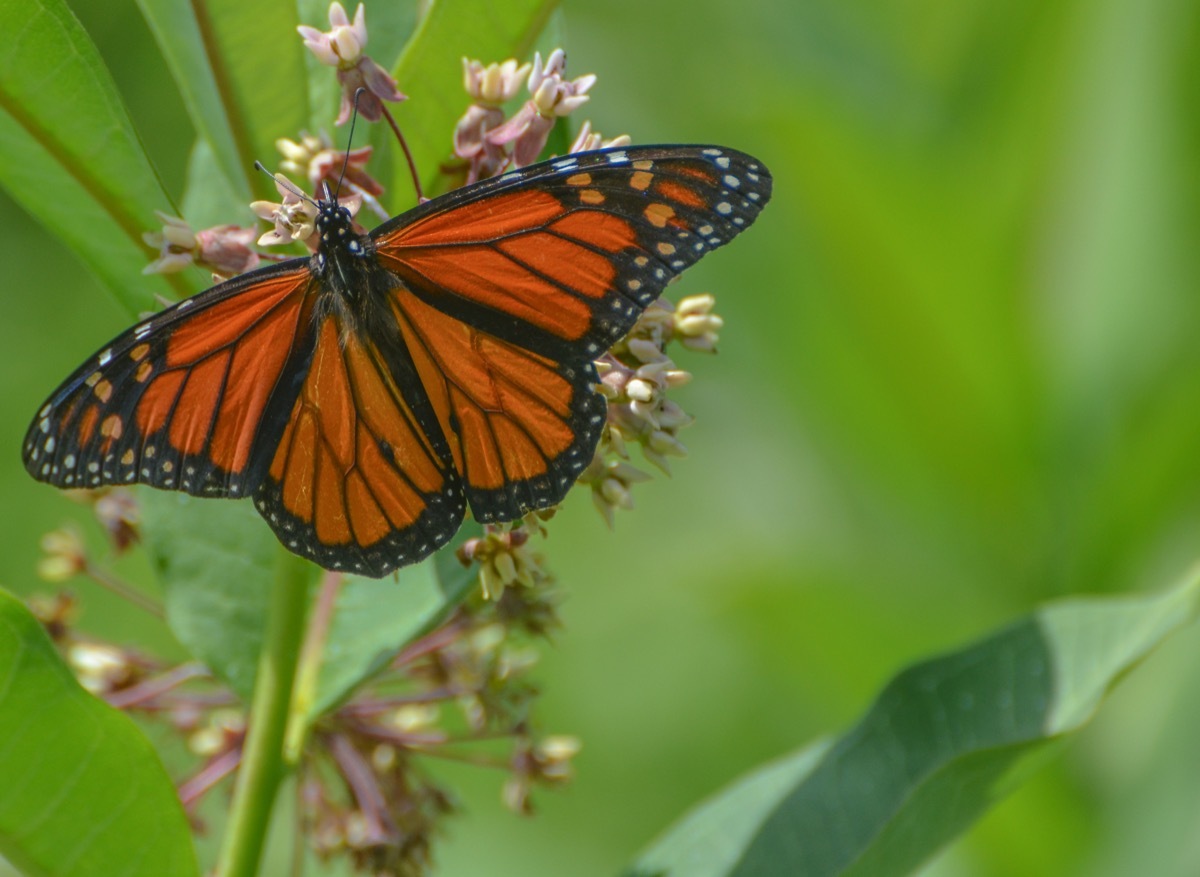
x=489, y=88
x=490, y=143
x=505, y=557
x=315, y=159
x=295, y=217
x=551, y=97
x=342, y=47
x=223, y=249
x=636, y=376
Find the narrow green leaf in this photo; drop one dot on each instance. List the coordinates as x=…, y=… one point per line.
x=940, y=745
x=83, y=793
x=69, y=153
x=209, y=199
x=430, y=70
x=216, y=560
x=375, y=618
x=324, y=91
x=256, y=62
x=177, y=32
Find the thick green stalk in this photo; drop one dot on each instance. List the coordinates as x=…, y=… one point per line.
x=263, y=766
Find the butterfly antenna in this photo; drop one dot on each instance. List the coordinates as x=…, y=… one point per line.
x=286, y=183
x=349, y=142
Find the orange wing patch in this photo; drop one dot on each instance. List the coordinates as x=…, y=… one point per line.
x=355, y=482
x=528, y=256
x=497, y=279
x=515, y=420
x=510, y=213
x=180, y=401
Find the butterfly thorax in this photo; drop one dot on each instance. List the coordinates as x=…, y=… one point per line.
x=351, y=284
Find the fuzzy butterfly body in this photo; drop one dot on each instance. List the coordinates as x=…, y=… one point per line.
x=365, y=396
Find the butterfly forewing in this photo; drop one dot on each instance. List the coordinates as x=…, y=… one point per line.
x=562, y=257
x=187, y=400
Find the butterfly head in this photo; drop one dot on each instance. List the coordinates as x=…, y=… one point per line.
x=335, y=225
x=342, y=248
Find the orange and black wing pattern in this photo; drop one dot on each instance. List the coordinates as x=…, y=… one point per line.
x=364, y=396
x=193, y=398
x=510, y=288
x=360, y=479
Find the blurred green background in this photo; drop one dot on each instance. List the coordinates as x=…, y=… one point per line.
x=960, y=376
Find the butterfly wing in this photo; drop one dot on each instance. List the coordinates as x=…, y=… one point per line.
x=510, y=288
x=193, y=399
x=361, y=479
x=474, y=376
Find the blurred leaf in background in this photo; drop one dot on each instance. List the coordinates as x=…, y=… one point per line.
x=960, y=375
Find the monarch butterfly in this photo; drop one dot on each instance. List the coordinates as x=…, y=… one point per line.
x=365, y=395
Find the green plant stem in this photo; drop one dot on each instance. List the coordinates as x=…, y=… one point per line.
x=263, y=766
x=309, y=670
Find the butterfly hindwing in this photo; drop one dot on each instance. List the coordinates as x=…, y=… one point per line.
x=188, y=399
x=521, y=425
x=510, y=288
x=361, y=479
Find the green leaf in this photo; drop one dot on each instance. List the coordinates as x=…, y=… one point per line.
x=216, y=560
x=430, y=70
x=84, y=793
x=209, y=199
x=375, y=618
x=241, y=69
x=69, y=153
x=183, y=45
x=942, y=742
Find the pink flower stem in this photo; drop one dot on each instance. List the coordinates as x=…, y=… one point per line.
x=137, y=695
x=111, y=583
x=412, y=165
x=212, y=773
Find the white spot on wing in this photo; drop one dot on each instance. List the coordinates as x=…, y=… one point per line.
x=105, y=357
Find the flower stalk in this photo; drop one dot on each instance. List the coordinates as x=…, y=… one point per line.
x=263, y=765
